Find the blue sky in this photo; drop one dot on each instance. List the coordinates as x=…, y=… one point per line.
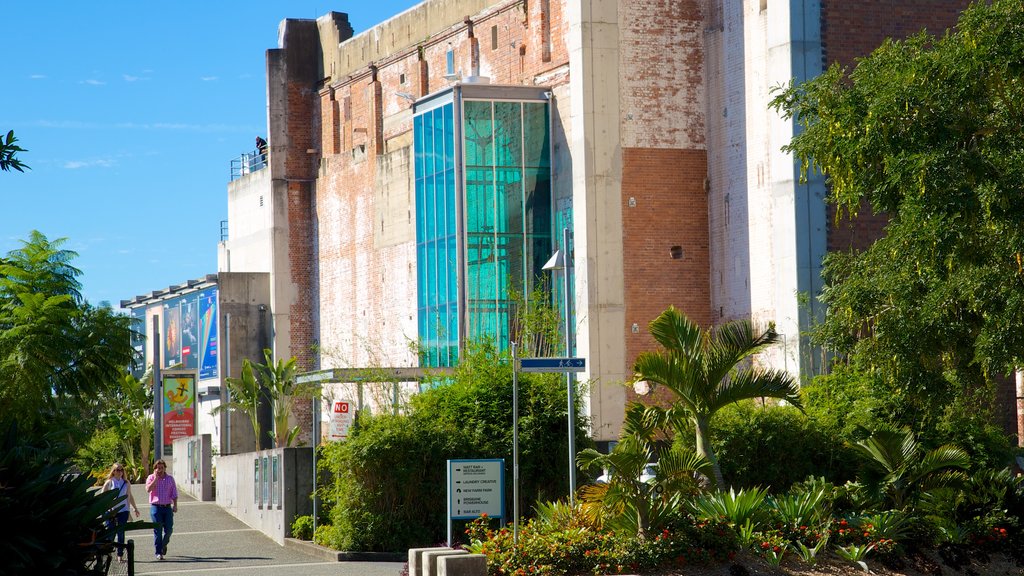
x=131, y=113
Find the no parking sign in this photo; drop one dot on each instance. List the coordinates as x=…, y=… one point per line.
x=341, y=419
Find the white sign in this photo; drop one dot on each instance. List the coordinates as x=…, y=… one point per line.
x=476, y=487
x=341, y=419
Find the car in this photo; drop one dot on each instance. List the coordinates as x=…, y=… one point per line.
x=648, y=474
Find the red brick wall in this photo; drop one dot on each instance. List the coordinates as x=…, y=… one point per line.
x=671, y=209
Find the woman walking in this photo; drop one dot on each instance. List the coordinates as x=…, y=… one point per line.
x=116, y=482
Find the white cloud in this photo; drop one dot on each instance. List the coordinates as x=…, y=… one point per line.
x=37, y=76
x=129, y=78
x=207, y=78
x=76, y=164
x=93, y=82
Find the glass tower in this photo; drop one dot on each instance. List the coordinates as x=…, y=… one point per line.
x=484, y=211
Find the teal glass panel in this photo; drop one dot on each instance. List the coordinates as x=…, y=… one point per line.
x=438, y=143
x=449, y=140
x=537, y=144
x=508, y=134
x=478, y=141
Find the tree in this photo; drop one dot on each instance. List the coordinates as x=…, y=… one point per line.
x=246, y=394
x=8, y=150
x=129, y=411
x=279, y=380
x=701, y=369
x=629, y=501
x=275, y=383
x=57, y=352
x=926, y=130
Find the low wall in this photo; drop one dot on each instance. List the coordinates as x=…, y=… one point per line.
x=267, y=489
x=192, y=466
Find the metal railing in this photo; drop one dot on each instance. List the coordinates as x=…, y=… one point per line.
x=248, y=163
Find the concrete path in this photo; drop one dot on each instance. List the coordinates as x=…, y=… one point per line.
x=208, y=540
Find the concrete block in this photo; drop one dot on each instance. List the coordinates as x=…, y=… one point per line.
x=429, y=566
x=416, y=558
x=462, y=565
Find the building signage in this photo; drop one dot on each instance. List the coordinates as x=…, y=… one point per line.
x=341, y=419
x=475, y=488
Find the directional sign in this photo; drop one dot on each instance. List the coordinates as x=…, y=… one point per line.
x=552, y=364
x=476, y=487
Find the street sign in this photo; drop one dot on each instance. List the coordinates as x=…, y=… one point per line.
x=552, y=364
x=476, y=487
x=341, y=419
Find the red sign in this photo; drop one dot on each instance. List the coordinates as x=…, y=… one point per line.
x=179, y=407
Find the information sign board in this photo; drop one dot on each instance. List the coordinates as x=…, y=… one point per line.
x=552, y=364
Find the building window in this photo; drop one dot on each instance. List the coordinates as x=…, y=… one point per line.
x=449, y=63
x=502, y=206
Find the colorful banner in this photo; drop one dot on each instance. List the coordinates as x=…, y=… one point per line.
x=138, y=339
x=172, y=334
x=179, y=407
x=190, y=331
x=208, y=334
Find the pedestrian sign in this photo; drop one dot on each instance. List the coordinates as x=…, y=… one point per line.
x=552, y=364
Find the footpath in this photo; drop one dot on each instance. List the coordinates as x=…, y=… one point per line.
x=208, y=540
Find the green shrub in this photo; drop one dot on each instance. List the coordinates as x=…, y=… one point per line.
x=49, y=513
x=326, y=535
x=774, y=446
x=549, y=549
x=302, y=527
x=99, y=454
x=387, y=491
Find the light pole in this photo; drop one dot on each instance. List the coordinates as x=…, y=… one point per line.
x=562, y=260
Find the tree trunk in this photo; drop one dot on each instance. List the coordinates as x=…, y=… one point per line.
x=703, y=443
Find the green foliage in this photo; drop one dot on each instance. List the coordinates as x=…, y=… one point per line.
x=926, y=130
x=546, y=548
x=246, y=394
x=898, y=471
x=736, y=508
x=99, y=453
x=387, y=482
x=8, y=154
x=629, y=502
x=57, y=353
x=50, y=513
x=326, y=535
x=387, y=477
x=279, y=381
x=702, y=370
x=749, y=435
x=302, y=527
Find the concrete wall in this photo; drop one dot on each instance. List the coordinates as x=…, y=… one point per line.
x=192, y=466
x=245, y=330
x=270, y=511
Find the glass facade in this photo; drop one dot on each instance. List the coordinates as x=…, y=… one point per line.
x=479, y=238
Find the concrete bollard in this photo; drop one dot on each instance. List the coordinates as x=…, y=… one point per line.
x=462, y=565
x=416, y=558
x=429, y=566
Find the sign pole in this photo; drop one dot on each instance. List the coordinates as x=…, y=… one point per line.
x=158, y=394
x=515, y=447
x=570, y=380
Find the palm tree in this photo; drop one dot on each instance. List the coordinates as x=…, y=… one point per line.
x=246, y=393
x=628, y=500
x=279, y=379
x=701, y=368
x=899, y=471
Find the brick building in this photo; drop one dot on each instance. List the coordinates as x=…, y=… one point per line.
x=419, y=168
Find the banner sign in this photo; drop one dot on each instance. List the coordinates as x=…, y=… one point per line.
x=179, y=406
x=208, y=334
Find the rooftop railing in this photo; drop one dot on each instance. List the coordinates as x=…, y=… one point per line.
x=248, y=163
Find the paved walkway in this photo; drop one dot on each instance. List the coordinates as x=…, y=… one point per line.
x=208, y=540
